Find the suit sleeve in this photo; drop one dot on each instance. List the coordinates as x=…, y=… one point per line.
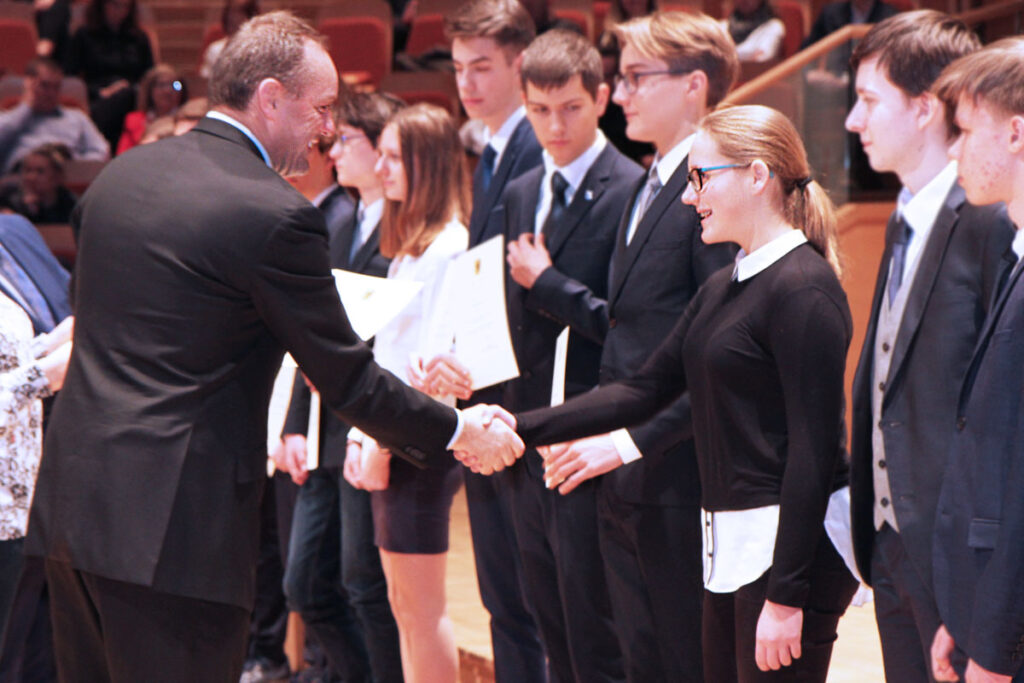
x=569, y=302
x=297, y=419
x=621, y=404
x=674, y=424
x=295, y=294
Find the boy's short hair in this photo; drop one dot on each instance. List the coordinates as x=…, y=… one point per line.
x=686, y=42
x=367, y=111
x=556, y=56
x=505, y=22
x=992, y=75
x=914, y=47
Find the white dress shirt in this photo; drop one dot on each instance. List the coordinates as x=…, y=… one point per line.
x=500, y=138
x=574, y=172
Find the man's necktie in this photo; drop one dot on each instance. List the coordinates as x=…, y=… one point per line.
x=357, y=236
x=647, y=195
x=558, y=187
x=899, y=258
x=487, y=164
x=33, y=298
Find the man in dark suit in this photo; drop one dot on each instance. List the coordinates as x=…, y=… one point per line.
x=334, y=578
x=648, y=508
x=978, y=551
x=934, y=287
x=488, y=37
x=198, y=266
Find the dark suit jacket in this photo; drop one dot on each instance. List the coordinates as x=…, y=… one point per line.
x=156, y=453
x=341, y=229
x=979, y=525
x=650, y=283
x=580, y=248
x=945, y=310
x=27, y=247
x=836, y=15
x=521, y=154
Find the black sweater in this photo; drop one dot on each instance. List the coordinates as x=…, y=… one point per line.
x=764, y=362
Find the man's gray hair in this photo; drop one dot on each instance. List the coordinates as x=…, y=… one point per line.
x=270, y=45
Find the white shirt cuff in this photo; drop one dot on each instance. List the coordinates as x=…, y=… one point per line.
x=625, y=446
x=458, y=429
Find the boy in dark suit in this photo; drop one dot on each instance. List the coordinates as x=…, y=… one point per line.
x=488, y=37
x=934, y=286
x=333, y=577
x=674, y=68
x=979, y=526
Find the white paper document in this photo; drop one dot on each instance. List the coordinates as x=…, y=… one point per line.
x=558, y=376
x=372, y=302
x=313, y=432
x=474, y=289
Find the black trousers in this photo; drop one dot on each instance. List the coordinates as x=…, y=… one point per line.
x=106, y=630
x=655, y=579
x=730, y=625
x=905, y=610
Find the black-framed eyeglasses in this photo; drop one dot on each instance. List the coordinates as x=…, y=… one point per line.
x=698, y=176
x=630, y=80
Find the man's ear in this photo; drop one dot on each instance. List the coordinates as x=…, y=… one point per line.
x=268, y=95
x=601, y=98
x=928, y=109
x=1017, y=134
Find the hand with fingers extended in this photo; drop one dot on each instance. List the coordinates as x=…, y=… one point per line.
x=488, y=442
x=778, y=636
x=528, y=257
x=442, y=375
x=567, y=465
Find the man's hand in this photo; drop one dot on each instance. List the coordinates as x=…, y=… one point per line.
x=778, y=636
x=353, y=470
x=488, y=442
x=527, y=259
x=442, y=375
x=294, y=458
x=976, y=674
x=942, y=650
x=567, y=465
x=115, y=87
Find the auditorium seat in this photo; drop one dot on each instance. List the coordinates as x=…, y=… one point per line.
x=359, y=37
x=18, y=37
x=433, y=87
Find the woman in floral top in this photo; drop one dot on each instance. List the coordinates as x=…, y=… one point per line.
x=30, y=369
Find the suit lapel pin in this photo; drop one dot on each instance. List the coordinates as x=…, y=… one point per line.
x=588, y=195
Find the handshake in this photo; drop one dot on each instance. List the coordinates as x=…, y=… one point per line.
x=488, y=442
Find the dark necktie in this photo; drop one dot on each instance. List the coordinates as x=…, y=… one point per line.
x=558, y=187
x=899, y=258
x=647, y=195
x=487, y=164
x=37, y=308
x=1006, y=266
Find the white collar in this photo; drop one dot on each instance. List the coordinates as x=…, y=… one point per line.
x=324, y=194
x=920, y=210
x=575, y=170
x=372, y=213
x=221, y=116
x=749, y=265
x=1018, y=244
x=500, y=138
x=667, y=165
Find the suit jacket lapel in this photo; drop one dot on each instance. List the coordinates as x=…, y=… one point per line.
x=341, y=246
x=589, y=191
x=924, y=280
x=488, y=199
x=366, y=252
x=225, y=130
x=669, y=193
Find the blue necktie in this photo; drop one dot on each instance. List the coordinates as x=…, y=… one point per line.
x=487, y=164
x=899, y=258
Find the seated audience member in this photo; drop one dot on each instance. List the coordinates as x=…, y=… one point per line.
x=111, y=53
x=158, y=129
x=30, y=369
x=53, y=18
x=836, y=15
x=39, y=194
x=334, y=578
x=421, y=167
x=978, y=558
x=544, y=19
x=40, y=119
x=190, y=114
x=755, y=29
x=234, y=14
x=161, y=92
